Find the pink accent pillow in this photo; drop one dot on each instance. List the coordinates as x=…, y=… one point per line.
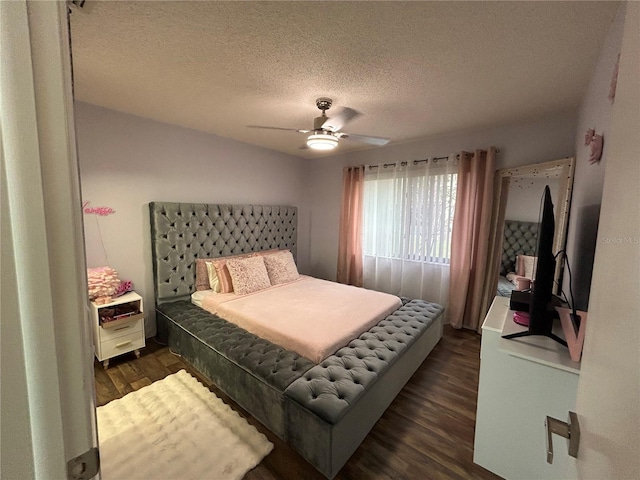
x=224, y=278
x=262, y=253
x=248, y=275
x=226, y=286
x=202, y=275
x=281, y=267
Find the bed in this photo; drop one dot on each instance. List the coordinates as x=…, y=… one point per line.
x=324, y=407
x=520, y=238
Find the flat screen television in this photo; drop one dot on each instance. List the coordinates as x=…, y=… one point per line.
x=541, y=310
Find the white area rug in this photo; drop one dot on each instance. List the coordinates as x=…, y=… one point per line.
x=176, y=429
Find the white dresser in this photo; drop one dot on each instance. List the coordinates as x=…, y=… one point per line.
x=521, y=382
x=118, y=327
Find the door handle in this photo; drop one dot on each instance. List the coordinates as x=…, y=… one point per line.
x=569, y=430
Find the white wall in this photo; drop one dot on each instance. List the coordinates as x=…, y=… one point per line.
x=127, y=162
x=608, y=402
x=521, y=144
x=595, y=112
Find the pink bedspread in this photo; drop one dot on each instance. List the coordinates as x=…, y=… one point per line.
x=309, y=316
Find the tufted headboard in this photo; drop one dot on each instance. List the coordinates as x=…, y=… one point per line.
x=182, y=232
x=520, y=238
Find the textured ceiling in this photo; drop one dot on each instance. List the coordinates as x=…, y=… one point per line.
x=413, y=69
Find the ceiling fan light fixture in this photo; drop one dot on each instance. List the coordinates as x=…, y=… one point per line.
x=322, y=141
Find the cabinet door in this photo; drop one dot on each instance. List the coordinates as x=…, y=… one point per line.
x=514, y=397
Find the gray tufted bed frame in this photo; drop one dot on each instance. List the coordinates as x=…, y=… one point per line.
x=323, y=411
x=520, y=238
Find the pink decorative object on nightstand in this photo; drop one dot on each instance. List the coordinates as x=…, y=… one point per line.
x=102, y=284
x=124, y=287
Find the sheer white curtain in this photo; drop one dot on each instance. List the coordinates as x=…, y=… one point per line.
x=408, y=216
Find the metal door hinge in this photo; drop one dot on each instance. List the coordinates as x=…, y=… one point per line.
x=84, y=466
x=569, y=430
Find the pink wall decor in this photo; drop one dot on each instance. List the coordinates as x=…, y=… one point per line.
x=596, y=142
x=614, y=81
x=102, y=211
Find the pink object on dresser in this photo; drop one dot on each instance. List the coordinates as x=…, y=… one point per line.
x=524, y=283
x=575, y=339
x=521, y=318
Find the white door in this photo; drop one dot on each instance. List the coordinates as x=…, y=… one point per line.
x=608, y=401
x=48, y=408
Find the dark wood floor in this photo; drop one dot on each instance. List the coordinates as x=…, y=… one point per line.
x=426, y=433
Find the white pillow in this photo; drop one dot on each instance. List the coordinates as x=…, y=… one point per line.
x=214, y=282
x=513, y=277
x=199, y=295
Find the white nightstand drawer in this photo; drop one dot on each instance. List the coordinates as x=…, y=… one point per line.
x=120, y=330
x=118, y=326
x=121, y=345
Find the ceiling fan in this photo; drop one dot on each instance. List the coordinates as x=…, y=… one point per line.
x=326, y=130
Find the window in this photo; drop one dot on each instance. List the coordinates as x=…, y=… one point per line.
x=408, y=213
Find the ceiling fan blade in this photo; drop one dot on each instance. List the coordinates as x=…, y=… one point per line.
x=379, y=141
x=299, y=130
x=336, y=122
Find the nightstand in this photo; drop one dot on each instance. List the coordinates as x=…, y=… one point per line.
x=118, y=327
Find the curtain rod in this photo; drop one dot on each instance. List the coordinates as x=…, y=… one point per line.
x=416, y=162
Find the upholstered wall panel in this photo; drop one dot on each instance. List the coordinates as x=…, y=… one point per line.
x=520, y=238
x=182, y=232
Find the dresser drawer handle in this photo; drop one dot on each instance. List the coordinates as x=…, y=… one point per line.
x=122, y=328
x=120, y=345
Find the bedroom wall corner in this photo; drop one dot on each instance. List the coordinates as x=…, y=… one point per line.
x=128, y=161
x=595, y=112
